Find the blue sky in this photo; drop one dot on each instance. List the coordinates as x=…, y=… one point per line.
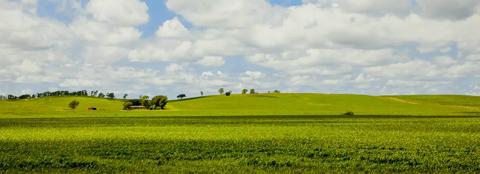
x=169, y=47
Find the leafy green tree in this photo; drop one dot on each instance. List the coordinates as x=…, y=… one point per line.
x=11, y=97
x=228, y=93
x=244, y=91
x=181, y=96
x=73, y=104
x=125, y=96
x=101, y=95
x=158, y=102
x=276, y=91
x=201, y=93
x=25, y=96
x=221, y=90
x=127, y=105
x=144, y=101
x=111, y=95
x=94, y=93
x=252, y=91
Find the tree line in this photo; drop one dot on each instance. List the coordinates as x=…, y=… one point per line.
x=222, y=91
x=109, y=95
x=85, y=93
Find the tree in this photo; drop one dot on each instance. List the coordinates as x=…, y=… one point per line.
x=276, y=91
x=111, y=95
x=125, y=96
x=221, y=90
x=244, y=91
x=101, y=95
x=252, y=91
x=201, y=93
x=127, y=105
x=159, y=101
x=11, y=97
x=181, y=96
x=228, y=93
x=94, y=93
x=25, y=96
x=73, y=104
x=144, y=101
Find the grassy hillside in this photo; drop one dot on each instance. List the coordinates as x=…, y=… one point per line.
x=260, y=104
x=274, y=133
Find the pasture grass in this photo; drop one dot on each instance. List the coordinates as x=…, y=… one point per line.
x=263, y=133
x=258, y=104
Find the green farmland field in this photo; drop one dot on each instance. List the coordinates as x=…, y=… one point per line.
x=274, y=133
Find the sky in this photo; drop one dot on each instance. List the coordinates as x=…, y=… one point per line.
x=152, y=47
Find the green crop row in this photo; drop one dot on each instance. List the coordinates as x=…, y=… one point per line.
x=256, y=144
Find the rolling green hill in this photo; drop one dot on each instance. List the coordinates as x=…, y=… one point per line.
x=259, y=104
x=262, y=133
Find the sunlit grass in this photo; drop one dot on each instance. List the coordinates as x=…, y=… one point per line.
x=267, y=133
x=259, y=104
x=245, y=144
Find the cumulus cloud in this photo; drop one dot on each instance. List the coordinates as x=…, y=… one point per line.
x=226, y=14
x=108, y=29
x=371, y=46
x=211, y=61
x=252, y=75
x=171, y=29
x=118, y=12
x=437, y=9
x=376, y=7
x=445, y=9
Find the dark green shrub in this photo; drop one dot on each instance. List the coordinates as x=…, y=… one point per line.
x=158, y=102
x=127, y=105
x=181, y=96
x=73, y=104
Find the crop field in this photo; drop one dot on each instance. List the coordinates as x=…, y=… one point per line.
x=277, y=133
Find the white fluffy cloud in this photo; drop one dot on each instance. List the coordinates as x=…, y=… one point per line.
x=376, y=7
x=211, y=61
x=108, y=29
x=438, y=9
x=371, y=46
x=447, y=9
x=172, y=29
x=118, y=12
x=226, y=14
